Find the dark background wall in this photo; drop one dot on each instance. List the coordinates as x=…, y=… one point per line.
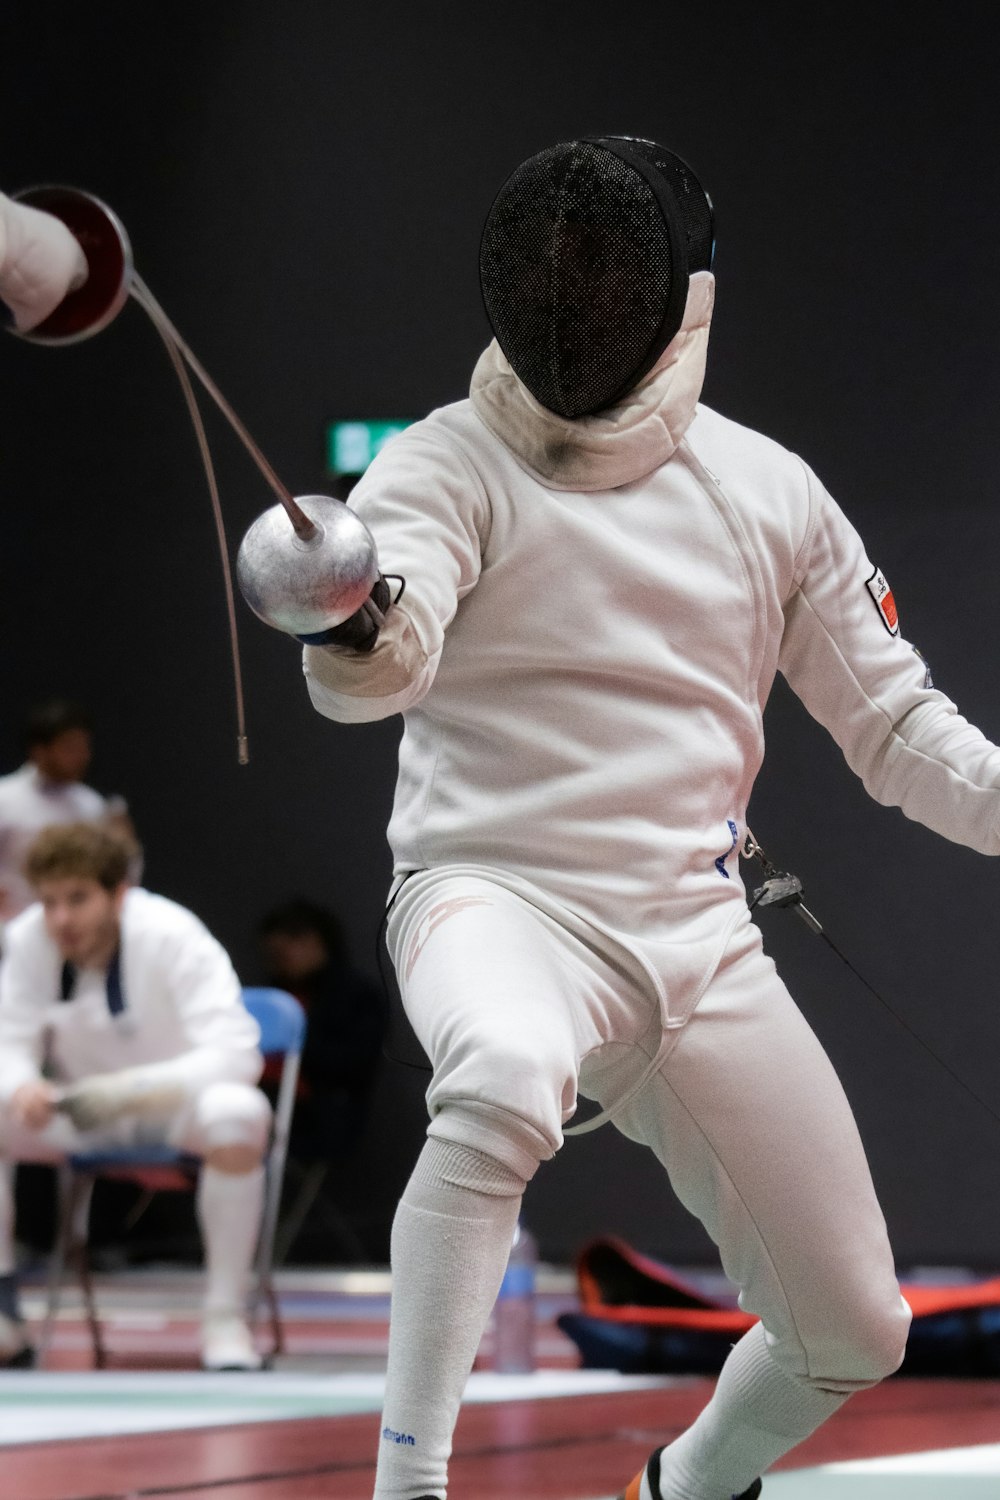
x=303, y=186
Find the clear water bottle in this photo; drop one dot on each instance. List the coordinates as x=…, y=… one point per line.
x=514, y=1313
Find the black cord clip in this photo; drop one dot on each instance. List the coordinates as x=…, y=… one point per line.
x=780, y=888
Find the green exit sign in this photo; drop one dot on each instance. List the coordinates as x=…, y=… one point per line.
x=351, y=446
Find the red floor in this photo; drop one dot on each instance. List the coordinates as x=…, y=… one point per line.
x=555, y=1449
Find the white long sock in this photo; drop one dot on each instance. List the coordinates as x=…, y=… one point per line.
x=450, y=1241
x=756, y=1414
x=229, y=1212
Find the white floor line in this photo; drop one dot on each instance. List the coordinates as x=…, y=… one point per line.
x=972, y=1474
x=36, y=1405
x=984, y=1459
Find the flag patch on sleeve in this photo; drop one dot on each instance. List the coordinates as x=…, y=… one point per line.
x=884, y=602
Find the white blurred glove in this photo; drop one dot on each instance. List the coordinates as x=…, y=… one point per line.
x=40, y=262
x=103, y=1097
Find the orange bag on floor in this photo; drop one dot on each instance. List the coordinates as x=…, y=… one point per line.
x=639, y=1316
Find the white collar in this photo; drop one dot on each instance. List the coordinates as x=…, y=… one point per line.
x=613, y=447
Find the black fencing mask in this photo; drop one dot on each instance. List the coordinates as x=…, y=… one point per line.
x=584, y=266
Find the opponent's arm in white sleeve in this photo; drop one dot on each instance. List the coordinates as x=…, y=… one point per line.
x=40, y=261
x=428, y=512
x=871, y=689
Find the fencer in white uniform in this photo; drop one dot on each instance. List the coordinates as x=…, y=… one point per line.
x=595, y=609
x=139, y=1037
x=602, y=578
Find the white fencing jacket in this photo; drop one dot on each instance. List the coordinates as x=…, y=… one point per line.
x=183, y=1019
x=594, y=615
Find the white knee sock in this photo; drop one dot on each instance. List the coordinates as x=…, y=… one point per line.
x=450, y=1241
x=229, y=1213
x=756, y=1414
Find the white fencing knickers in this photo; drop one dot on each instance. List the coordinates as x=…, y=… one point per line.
x=744, y=1111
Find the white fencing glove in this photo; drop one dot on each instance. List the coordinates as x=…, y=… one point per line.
x=103, y=1097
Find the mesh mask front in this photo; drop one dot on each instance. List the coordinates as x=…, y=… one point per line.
x=584, y=267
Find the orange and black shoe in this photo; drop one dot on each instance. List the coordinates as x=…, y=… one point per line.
x=646, y=1484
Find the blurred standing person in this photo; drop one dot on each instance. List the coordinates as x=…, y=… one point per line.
x=303, y=951
x=50, y=788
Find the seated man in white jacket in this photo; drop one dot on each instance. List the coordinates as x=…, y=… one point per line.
x=121, y=1022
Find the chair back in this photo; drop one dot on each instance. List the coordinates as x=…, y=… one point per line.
x=281, y=1018
x=282, y=1022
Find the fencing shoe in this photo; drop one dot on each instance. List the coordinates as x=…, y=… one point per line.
x=16, y=1352
x=227, y=1343
x=646, y=1484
